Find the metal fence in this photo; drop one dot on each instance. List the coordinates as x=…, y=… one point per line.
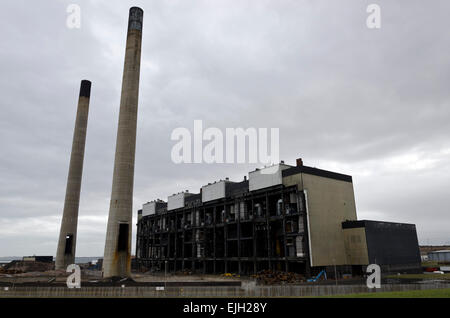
x=204, y=292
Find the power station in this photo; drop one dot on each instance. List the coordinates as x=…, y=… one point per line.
x=298, y=219
x=291, y=218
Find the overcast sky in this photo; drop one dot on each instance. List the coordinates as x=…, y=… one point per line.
x=372, y=103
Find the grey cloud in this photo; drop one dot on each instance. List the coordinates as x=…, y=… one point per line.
x=344, y=97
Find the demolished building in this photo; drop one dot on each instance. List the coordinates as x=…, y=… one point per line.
x=291, y=218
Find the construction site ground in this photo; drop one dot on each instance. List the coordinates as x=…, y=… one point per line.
x=22, y=274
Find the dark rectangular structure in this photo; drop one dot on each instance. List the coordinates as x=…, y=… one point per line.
x=41, y=259
x=44, y=259
x=393, y=246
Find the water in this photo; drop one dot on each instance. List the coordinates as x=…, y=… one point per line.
x=85, y=260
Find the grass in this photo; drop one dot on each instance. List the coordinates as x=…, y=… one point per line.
x=429, y=293
x=421, y=276
x=430, y=264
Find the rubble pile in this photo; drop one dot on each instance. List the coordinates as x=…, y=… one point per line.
x=269, y=277
x=18, y=267
x=184, y=272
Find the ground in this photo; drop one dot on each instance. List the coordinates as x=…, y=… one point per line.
x=145, y=278
x=94, y=278
x=91, y=278
x=431, y=276
x=430, y=293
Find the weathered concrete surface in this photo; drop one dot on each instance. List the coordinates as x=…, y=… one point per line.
x=329, y=203
x=117, y=261
x=66, y=256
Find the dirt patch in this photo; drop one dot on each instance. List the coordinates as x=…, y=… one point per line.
x=17, y=267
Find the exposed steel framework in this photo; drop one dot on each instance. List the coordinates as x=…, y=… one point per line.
x=242, y=233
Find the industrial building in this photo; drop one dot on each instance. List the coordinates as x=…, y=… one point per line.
x=393, y=246
x=42, y=259
x=439, y=256
x=289, y=218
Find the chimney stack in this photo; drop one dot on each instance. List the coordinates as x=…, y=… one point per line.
x=117, y=257
x=299, y=162
x=65, y=254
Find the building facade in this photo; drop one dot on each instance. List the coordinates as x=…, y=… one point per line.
x=439, y=256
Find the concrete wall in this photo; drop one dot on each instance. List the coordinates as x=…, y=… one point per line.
x=213, y=191
x=149, y=208
x=356, y=246
x=329, y=203
x=176, y=201
x=266, y=177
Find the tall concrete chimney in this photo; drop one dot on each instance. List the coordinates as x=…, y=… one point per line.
x=117, y=258
x=65, y=254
